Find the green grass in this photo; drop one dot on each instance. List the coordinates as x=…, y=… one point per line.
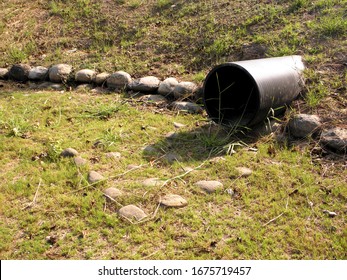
x=83, y=225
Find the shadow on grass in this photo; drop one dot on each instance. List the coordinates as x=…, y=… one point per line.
x=203, y=143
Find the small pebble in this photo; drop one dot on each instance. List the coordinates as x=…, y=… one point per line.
x=152, y=182
x=132, y=212
x=209, y=186
x=178, y=125
x=171, y=158
x=230, y=192
x=244, y=171
x=330, y=214
x=94, y=177
x=173, y=200
x=69, y=152
x=112, y=192
x=79, y=161
x=113, y=155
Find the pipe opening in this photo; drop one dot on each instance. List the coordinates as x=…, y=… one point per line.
x=231, y=96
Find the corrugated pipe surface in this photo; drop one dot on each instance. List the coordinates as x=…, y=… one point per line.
x=245, y=93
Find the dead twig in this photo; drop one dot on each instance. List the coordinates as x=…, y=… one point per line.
x=151, y=218
x=280, y=215
x=106, y=179
x=150, y=255
x=183, y=174
x=112, y=199
x=31, y=204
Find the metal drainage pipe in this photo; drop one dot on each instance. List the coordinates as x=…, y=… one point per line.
x=244, y=93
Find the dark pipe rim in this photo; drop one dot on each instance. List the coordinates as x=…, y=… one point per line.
x=249, y=76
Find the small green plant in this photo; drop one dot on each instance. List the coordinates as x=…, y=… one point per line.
x=199, y=77
x=218, y=49
x=103, y=112
x=17, y=127
x=54, y=150
x=316, y=89
x=321, y=4
x=330, y=26
x=16, y=55
x=298, y=4
x=315, y=94
x=161, y=4
x=134, y=4
x=108, y=139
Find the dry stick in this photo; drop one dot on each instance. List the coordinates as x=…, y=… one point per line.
x=274, y=219
x=112, y=199
x=129, y=220
x=149, y=219
x=150, y=255
x=144, y=220
x=182, y=175
x=112, y=177
x=35, y=196
x=100, y=181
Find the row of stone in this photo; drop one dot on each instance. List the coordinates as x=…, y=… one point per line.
x=304, y=125
x=63, y=73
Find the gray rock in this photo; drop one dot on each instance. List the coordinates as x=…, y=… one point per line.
x=244, y=171
x=171, y=158
x=113, y=192
x=85, y=76
x=59, y=73
x=19, y=72
x=49, y=85
x=100, y=79
x=171, y=135
x=150, y=150
x=38, y=73
x=199, y=95
x=335, y=138
x=184, y=90
x=166, y=87
x=79, y=161
x=132, y=212
x=186, y=106
x=145, y=84
x=209, y=186
x=118, y=80
x=3, y=73
x=173, y=200
x=153, y=98
x=69, y=152
x=152, y=182
x=303, y=125
x=113, y=155
x=94, y=177
x=84, y=88
x=133, y=166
